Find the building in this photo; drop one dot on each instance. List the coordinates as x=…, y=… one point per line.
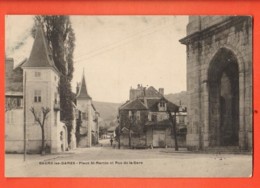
x=219, y=81
x=13, y=107
x=145, y=119
x=87, y=117
x=34, y=83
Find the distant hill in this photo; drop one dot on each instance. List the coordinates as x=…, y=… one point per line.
x=177, y=97
x=108, y=111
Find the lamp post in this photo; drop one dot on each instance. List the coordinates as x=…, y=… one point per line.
x=173, y=120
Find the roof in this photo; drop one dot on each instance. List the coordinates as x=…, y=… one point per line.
x=19, y=65
x=134, y=105
x=152, y=92
x=83, y=93
x=14, y=93
x=153, y=105
x=111, y=129
x=41, y=56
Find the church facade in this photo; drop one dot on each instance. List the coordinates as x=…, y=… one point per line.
x=219, y=81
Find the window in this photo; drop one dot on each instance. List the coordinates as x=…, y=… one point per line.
x=37, y=96
x=150, y=116
x=138, y=115
x=181, y=119
x=162, y=104
x=84, y=116
x=56, y=98
x=19, y=102
x=37, y=74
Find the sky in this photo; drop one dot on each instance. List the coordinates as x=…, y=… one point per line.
x=116, y=52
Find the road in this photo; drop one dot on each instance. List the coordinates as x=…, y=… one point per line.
x=107, y=161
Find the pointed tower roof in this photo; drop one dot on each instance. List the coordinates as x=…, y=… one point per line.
x=41, y=55
x=83, y=93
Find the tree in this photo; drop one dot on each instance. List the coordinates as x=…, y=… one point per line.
x=61, y=40
x=41, y=122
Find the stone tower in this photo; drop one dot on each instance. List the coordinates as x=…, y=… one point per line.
x=219, y=81
x=84, y=105
x=41, y=79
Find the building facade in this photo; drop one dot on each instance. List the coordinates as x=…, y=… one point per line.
x=145, y=120
x=219, y=81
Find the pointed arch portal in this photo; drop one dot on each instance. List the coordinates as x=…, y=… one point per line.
x=223, y=80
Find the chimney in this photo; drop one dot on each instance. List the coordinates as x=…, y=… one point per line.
x=161, y=91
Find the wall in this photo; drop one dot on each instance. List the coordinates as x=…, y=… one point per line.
x=48, y=84
x=217, y=32
x=14, y=131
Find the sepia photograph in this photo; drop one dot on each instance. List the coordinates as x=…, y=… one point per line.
x=154, y=96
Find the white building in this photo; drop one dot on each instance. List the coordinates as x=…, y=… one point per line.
x=88, y=128
x=40, y=90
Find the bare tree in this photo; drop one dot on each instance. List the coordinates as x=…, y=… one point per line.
x=41, y=122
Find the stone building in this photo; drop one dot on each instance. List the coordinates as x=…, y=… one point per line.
x=144, y=119
x=219, y=81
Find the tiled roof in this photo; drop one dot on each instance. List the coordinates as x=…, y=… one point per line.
x=134, y=105
x=83, y=93
x=40, y=54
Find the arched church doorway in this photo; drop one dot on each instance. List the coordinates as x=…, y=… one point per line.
x=223, y=80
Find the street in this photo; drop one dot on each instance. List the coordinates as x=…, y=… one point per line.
x=107, y=161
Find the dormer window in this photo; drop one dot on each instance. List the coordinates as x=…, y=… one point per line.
x=162, y=104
